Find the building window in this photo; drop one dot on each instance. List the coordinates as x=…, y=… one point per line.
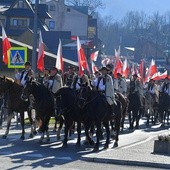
x=52, y=8
x=19, y=22
x=20, y=4
x=51, y=24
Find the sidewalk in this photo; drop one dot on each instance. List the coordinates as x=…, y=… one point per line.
x=140, y=154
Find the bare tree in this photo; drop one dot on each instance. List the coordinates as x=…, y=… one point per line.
x=92, y=4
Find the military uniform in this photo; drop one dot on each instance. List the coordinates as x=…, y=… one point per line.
x=121, y=85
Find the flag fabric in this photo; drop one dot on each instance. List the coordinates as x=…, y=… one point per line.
x=94, y=68
x=158, y=76
x=151, y=71
x=142, y=69
x=94, y=55
x=59, y=59
x=125, y=70
x=83, y=65
x=5, y=46
x=40, y=61
x=118, y=67
x=117, y=52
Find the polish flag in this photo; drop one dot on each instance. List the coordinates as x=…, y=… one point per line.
x=94, y=55
x=40, y=61
x=118, y=67
x=125, y=69
x=83, y=65
x=5, y=46
x=164, y=75
x=94, y=68
x=151, y=71
x=59, y=61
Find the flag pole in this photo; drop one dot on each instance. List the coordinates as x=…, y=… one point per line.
x=34, y=50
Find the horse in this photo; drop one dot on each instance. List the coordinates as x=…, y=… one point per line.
x=151, y=108
x=13, y=92
x=134, y=109
x=97, y=110
x=44, y=104
x=66, y=101
x=125, y=102
x=163, y=108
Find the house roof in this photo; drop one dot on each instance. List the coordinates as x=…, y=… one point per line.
x=82, y=9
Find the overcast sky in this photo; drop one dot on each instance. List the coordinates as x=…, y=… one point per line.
x=118, y=8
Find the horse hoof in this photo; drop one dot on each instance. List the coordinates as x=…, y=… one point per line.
x=86, y=142
x=106, y=147
x=22, y=137
x=115, y=144
x=58, y=137
x=64, y=145
x=35, y=132
x=31, y=135
x=4, y=136
x=92, y=143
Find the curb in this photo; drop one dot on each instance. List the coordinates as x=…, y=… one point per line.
x=127, y=162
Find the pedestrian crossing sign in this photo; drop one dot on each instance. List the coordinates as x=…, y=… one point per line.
x=17, y=56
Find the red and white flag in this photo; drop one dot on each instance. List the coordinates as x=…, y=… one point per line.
x=142, y=69
x=125, y=68
x=5, y=46
x=83, y=65
x=40, y=61
x=59, y=60
x=151, y=71
x=164, y=75
x=94, y=55
x=118, y=67
x=94, y=68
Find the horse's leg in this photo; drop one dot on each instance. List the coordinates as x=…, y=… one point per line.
x=10, y=115
x=130, y=120
x=98, y=125
x=61, y=121
x=87, y=126
x=79, y=133
x=106, y=125
x=22, y=125
x=68, y=124
x=33, y=126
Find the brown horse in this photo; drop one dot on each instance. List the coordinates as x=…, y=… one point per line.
x=13, y=92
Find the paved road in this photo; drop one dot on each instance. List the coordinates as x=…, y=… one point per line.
x=17, y=154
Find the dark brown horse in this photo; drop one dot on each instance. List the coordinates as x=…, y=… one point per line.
x=44, y=104
x=97, y=110
x=13, y=92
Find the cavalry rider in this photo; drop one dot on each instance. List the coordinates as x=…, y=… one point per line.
x=153, y=90
x=121, y=84
x=68, y=76
x=94, y=81
x=55, y=81
x=45, y=78
x=79, y=79
x=136, y=87
x=166, y=86
x=105, y=86
x=25, y=75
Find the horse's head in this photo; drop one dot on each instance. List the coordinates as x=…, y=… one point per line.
x=83, y=97
x=65, y=100
x=5, y=84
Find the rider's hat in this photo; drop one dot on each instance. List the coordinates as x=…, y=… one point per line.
x=104, y=68
x=27, y=63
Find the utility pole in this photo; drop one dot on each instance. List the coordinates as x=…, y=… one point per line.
x=34, y=50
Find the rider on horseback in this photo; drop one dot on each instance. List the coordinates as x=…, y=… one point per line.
x=153, y=90
x=166, y=86
x=105, y=85
x=136, y=87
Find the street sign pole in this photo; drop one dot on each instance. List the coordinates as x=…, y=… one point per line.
x=34, y=50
